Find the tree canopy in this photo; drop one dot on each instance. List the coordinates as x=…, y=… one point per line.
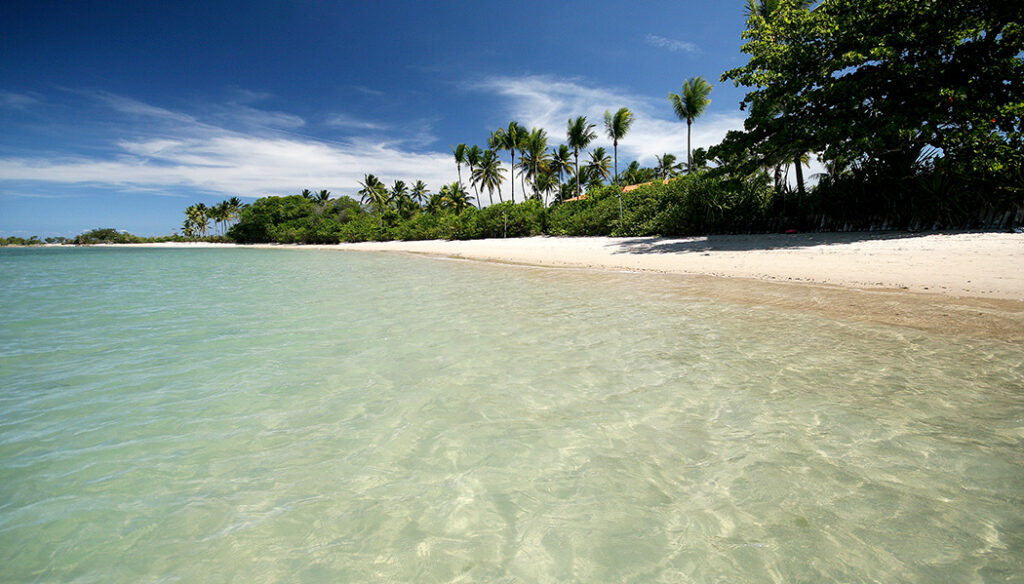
x=881, y=81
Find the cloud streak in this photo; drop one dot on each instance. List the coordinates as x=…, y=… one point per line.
x=170, y=151
x=671, y=44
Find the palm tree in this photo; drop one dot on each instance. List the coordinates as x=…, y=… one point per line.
x=488, y=174
x=473, y=155
x=561, y=161
x=535, y=155
x=398, y=191
x=667, y=167
x=235, y=207
x=374, y=194
x=435, y=204
x=402, y=200
x=600, y=164
x=460, y=152
x=690, y=105
x=323, y=196
x=199, y=216
x=307, y=194
x=419, y=192
x=634, y=174
x=221, y=213
x=579, y=134
x=616, y=126
x=456, y=197
x=509, y=139
x=545, y=183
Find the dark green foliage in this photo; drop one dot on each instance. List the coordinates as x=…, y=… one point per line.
x=595, y=215
x=106, y=235
x=695, y=204
x=271, y=217
x=20, y=241
x=880, y=88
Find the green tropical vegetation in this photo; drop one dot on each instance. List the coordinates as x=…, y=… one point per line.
x=917, y=126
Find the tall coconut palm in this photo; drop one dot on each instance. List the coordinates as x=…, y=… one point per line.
x=459, y=152
x=375, y=195
x=399, y=190
x=419, y=192
x=579, y=134
x=544, y=183
x=667, y=167
x=221, y=214
x=691, y=105
x=435, y=204
x=473, y=154
x=307, y=194
x=561, y=161
x=199, y=215
x=489, y=174
x=235, y=207
x=509, y=139
x=322, y=197
x=616, y=125
x=535, y=155
x=456, y=198
x=600, y=164
x=401, y=200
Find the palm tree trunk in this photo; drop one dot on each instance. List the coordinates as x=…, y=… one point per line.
x=576, y=153
x=513, y=177
x=799, y=176
x=689, y=158
x=615, y=148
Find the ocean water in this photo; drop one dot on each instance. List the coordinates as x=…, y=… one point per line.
x=239, y=415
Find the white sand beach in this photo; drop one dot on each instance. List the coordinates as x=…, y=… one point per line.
x=978, y=265
x=972, y=265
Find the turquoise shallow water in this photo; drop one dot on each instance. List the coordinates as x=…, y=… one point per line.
x=289, y=415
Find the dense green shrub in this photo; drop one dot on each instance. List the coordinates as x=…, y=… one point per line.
x=106, y=235
x=595, y=215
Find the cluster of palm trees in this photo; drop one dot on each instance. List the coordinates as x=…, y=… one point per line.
x=406, y=201
x=199, y=216
x=543, y=169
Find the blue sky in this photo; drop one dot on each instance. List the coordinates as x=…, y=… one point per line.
x=121, y=114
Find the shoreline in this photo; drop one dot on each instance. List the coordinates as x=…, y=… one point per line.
x=963, y=283
x=975, y=265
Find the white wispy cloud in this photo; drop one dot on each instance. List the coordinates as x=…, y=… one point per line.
x=19, y=101
x=348, y=121
x=548, y=102
x=673, y=45
x=171, y=150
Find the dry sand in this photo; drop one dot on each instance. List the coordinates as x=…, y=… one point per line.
x=981, y=265
x=961, y=283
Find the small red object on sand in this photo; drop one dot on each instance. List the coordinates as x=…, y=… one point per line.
x=790, y=231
